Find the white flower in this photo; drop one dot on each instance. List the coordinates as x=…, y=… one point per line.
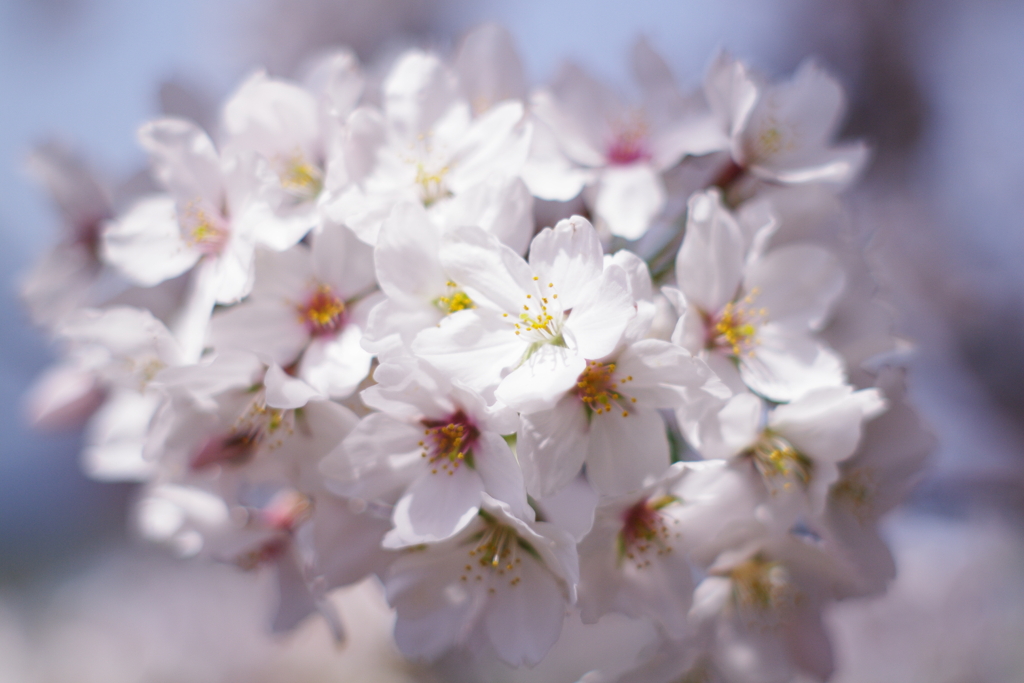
x=609, y=419
x=70, y=274
x=163, y=236
x=233, y=419
x=419, y=292
x=634, y=560
x=759, y=615
x=742, y=308
x=289, y=139
x=783, y=133
x=424, y=147
x=626, y=149
x=794, y=449
x=439, y=443
x=115, y=354
x=502, y=582
x=535, y=323
x=888, y=461
x=307, y=309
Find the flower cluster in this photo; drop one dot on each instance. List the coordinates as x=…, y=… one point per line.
x=334, y=342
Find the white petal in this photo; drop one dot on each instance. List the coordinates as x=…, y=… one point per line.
x=417, y=92
x=570, y=256
x=709, y=266
x=489, y=68
x=407, y=254
x=436, y=506
x=145, y=243
x=336, y=367
x=539, y=382
x=470, y=347
x=552, y=446
x=625, y=452
x=798, y=284
x=489, y=270
x=343, y=262
x=787, y=364
x=500, y=473
x=184, y=160
x=523, y=621
x=284, y=391
x=600, y=317
x=629, y=198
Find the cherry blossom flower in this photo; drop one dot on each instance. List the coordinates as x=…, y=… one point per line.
x=502, y=582
x=535, y=323
x=439, y=442
x=755, y=312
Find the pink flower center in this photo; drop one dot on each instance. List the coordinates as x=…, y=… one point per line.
x=323, y=313
x=449, y=442
x=204, y=229
x=629, y=145
x=645, y=531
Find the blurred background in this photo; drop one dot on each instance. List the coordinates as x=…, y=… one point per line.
x=935, y=86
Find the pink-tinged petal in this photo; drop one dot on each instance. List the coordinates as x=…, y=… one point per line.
x=428, y=637
x=64, y=396
x=271, y=329
x=787, y=364
x=336, y=366
x=273, y=226
x=145, y=244
x=374, y=440
x=191, y=325
x=626, y=451
x=364, y=135
x=407, y=255
x=393, y=324
x=338, y=82
x=524, y=620
x=836, y=165
x=552, y=446
x=436, y=506
x=797, y=285
x=709, y=266
x=347, y=542
x=471, y=347
x=283, y=275
x=598, y=321
x=284, y=391
x=294, y=600
x=570, y=256
x=541, y=379
x=572, y=508
x=184, y=160
x=629, y=198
